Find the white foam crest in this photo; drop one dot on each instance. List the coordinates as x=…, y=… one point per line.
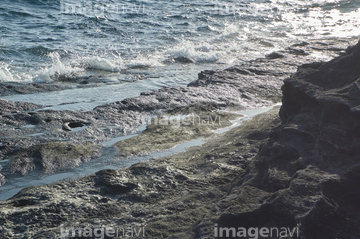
x=98, y=63
x=231, y=30
x=304, y=3
x=198, y=52
x=145, y=61
x=7, y=74
x=56, y=70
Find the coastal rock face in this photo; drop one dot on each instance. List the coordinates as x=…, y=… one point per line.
x=310, y=166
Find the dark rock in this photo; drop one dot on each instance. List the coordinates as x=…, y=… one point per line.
x=166, y=193
x=298, y=52
x=2, y=178
x=184, y=60
x=310, y=164
x=8, y=88
x=50, y=157
x=69, y=126
x=111, y=184
x=306, y=44
x=7, y=107
x=253, y=84
x=274, y=55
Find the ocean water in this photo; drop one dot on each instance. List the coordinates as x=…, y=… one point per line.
x=168, y=41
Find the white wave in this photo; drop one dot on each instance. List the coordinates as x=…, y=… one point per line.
x=145, y=61
x=7, y=74
x=56, y=70
x=98, y=63
x=231, y=30
x=197, y=52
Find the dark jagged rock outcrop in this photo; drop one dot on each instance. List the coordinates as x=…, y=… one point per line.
x=310, y=166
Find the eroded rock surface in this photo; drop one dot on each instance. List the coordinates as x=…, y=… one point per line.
x=166, y=132
x=51, y=157
x=177, y=197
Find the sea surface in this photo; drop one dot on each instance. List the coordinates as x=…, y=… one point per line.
x=139, y=45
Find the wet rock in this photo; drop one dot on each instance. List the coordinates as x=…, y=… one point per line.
x=66, y=127
x=185, y=192
x=2, y=178
x=274, y=55
x=168, y=131
x=8, y=107
x=69, y=126
x=184, y=60
x=253, y=84
x=111, y=184
x=50, y=157
x=9, y=88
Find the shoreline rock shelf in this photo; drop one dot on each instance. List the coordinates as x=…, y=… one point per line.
x=253, y=84
x=293, y=166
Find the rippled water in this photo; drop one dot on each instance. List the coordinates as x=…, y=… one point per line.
x=45, y=40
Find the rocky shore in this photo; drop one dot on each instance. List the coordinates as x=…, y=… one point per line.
x=253, y=84
x=293, y=167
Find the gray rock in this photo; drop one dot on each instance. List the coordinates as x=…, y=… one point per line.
x=50, y=157
x=2, y=178
x=8, y=107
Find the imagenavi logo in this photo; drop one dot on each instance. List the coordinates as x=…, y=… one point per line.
x=255, y=232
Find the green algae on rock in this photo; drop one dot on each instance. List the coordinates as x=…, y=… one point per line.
x=178, y=196
x=168, y=131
